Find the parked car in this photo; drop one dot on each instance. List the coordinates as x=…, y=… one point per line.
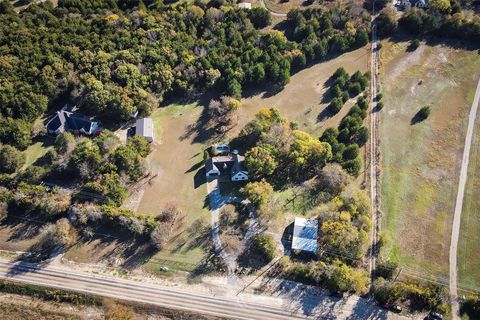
x=434, y=316
x=396, y=308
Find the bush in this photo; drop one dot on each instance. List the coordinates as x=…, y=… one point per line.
x=257, y=192
x=336, y=105
x=351, y=152
x=345, y=96
x=353, y=167
x=260, y=17
x=386, y=269
x=414, y=45
x=265, y=246
x=10, y=159
x=379, y=106
x=423, y=113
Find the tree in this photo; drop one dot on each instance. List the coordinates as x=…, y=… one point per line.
x=353, y=166
x=16, y=132
x=260, y=162
x=265, y=246
x=260, y=17
x=141, y=145
x=257, y=192
x=64, y=143
x=387, y=22
x=440, y=5
x=234, y=89
x=85, y=158
x=423, y=113
x=351, y=152
x=335, y=105
x=333, y=179
x=160, y=235
x=10, y=159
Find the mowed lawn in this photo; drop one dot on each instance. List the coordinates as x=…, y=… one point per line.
x=469, y=243
x=421, y=162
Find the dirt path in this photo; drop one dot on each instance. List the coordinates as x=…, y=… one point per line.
x=373, y=151
x=277, y=14
x=459, y=204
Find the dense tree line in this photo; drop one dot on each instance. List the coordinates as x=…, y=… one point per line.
x=116, y=57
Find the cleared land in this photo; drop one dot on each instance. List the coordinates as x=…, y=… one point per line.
x=421, y=161
x=469, y=241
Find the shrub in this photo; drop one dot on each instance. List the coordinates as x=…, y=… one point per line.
x=257, y=192
x=336, y=105
x=355, y=88
x=345, y=96
x=265, y=246
x=362, y=103
x=386, y=269
x=353, y=167
x=414, y=45
x=351, y=152
x=379, y=106
x=423, y=113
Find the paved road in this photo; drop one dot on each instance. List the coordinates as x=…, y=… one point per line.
x=295, y=305
x=459, y=203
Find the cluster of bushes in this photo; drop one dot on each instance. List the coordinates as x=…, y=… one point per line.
x=158, y=229
x=345, y=87
x=347, y=139
x=344, y=224
x=264, y=246
x=421, y=297
x=49, y=294
x=335, y=276
x=471, y=307
x=322, y=31
x=279, y=149
x=104, y=165
x=51, y=203
x=11, y=159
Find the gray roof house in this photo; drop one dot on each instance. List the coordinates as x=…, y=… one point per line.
x=68, y=119
x=144, y=128
x=305, y=235
x=227, y=165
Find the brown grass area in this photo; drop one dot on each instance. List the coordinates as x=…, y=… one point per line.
x=420, y=162
x=301, y=99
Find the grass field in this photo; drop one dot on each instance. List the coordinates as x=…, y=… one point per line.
x=421, y=161
x=34, y=152
x=469, y=242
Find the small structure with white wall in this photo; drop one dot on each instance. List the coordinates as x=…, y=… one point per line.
x=231, y=165
x=245, y=5
x=305, y=234
x=144, y=128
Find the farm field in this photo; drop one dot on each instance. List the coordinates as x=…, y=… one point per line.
x=469, y=241
x=421, y=161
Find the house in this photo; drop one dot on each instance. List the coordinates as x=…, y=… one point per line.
x=245, y=5
x=231, y=165
x=405, y=3
x=144, y=128
x=68, y=119
x=305, y=235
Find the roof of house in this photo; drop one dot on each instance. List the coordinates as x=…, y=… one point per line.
x=305, y=235
x=229, y=164
x=144, y=127
x=68, y=119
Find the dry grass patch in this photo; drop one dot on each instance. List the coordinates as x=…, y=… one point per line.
x=420, y=162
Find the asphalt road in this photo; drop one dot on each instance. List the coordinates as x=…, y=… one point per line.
x=459, y=203
x=248, y=306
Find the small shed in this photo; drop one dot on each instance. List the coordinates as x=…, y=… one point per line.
x=144, y=128
x=245, y=5
x=305, y=233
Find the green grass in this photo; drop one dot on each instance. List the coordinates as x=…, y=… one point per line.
x=469, y=242
x=420, y=162
x=34, y=152
x=174, y=110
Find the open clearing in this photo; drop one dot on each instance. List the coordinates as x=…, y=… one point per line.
x=469, y=241
x=421, y=161
x=178, y=156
